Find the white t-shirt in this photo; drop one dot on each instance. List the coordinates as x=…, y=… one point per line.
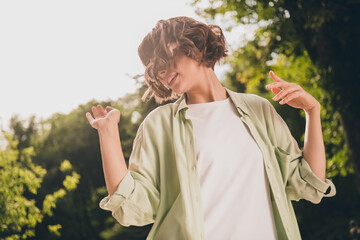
x=234, y=190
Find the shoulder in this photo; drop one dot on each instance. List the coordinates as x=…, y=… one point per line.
x=249, y=98
x=251, y=103
x=258, y=103
x=159, y=117
x=253, y=99
x=160, y=112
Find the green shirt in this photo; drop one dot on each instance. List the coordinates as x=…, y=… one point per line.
x=162, y=185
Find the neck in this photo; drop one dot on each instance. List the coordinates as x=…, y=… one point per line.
x=207, y=89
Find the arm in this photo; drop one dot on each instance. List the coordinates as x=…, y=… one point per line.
x=303, y=171
x=133, y=193
x=314, y=150
x=113, y=160
x=293, y=95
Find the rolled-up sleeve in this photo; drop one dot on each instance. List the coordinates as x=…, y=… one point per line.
x=299, y=179
x=136, y=198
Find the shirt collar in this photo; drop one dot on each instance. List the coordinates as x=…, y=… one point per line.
x=236, y=98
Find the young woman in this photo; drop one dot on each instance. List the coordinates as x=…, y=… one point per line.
x=215, y=164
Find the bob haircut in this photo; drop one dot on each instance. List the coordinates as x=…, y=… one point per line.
x=204, y=43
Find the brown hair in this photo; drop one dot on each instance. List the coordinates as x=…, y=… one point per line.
x=203, y=43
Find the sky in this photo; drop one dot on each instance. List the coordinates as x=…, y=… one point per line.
x=55, y=55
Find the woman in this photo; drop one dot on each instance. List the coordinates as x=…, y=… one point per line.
x=215, y=164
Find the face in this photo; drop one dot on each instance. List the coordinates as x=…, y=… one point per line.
x=181, y=76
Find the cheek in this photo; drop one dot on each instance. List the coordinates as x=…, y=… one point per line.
x=190, y=68
x=186, y=66
x=192, y=71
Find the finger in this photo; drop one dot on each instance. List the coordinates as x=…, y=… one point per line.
x=285, y=92
x=95, y=112
x=290, y=97
x=276, y=90
x=108, y=109
x=89, y=117
x=101, y=111
x=275, y=77
x=278, y=84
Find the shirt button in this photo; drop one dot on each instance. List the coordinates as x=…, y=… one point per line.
x=268, y=165
x=193, y=167
x=278, y=195
x=287, y=229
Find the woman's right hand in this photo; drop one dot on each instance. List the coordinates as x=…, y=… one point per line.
x=103, y=118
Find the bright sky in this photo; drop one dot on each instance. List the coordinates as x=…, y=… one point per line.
x=55, y=55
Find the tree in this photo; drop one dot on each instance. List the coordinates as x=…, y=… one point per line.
x=20, y=179
x=329, y=32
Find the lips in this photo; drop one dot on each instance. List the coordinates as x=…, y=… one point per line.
x=171, y=79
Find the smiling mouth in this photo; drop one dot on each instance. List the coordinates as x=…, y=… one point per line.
x=171, y=79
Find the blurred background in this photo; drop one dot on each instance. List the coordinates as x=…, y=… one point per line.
x=59, y=58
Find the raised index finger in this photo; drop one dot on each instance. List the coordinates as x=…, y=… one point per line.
x=275, y=77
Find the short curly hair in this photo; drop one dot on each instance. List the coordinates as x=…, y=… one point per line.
x=204, y=43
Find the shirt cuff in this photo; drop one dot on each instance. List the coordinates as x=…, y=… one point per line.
x=123, y=191
x=327, y=187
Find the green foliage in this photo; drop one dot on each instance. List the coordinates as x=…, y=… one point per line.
x=55, y=229
x=19, y=214
x=21, y=133
x=20, y=180
x=72, y=181
x=65, y=166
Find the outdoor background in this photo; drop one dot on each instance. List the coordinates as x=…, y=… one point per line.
x=59, y=58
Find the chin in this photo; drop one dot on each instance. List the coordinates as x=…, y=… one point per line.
x=178, y=91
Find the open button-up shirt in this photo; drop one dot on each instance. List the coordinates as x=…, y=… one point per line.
x=162, y=185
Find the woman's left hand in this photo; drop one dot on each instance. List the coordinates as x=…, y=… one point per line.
x=291, y=94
